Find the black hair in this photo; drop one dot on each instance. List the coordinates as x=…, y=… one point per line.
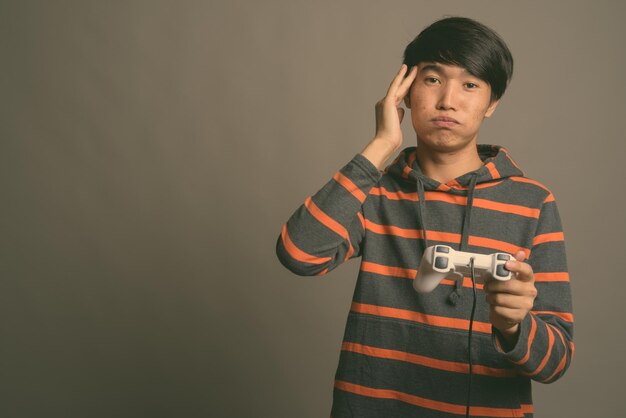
x=466, y=43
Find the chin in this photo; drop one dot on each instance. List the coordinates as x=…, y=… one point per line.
x=443, y=141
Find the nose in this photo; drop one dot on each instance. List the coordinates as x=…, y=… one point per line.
x=447, y=97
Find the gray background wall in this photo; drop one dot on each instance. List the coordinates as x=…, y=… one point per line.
x=151, y=151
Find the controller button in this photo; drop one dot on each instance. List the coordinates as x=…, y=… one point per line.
x=442, y=249
x=441, y=262
x=501, y=271
x=503, y=257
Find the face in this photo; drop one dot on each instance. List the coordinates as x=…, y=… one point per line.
x=448, y=105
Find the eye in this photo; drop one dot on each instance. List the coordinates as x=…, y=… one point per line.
x=471, y=85
x=431, y=80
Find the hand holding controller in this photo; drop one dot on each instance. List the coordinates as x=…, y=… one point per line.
x=441, y=261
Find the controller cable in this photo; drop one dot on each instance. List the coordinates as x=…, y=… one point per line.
x=469, y=340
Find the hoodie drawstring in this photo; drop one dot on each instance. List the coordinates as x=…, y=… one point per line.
x=468, y=213
x=421, y=209
x=454, y=296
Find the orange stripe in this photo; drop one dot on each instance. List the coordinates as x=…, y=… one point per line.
x=409, y=164
x=507, y=208
x=393, y=230
x=564, y=357
x=529, y=181
x=350, y=186
x=406, y=273
x=323, y=272
x=493, y=170
x=444, y=237
x=395, y=195
x=467, y=282
x=550, y=198
x=439, y=321
x=432, y=363
x=454, y=184
x=446, y=197
x=491, y=183
x=459, y=200
x=552, y=277
x=531, y=338
x=388, y=270
x=511, y=159
x=550, y=237
x=527, y=408
x=350, y=252
x=326, y=220
x=297, y=253
x=543, y=363
x=559, y=333
x=330, y=223
x=566, y=316
x=362, y=219
x=558, y=369
x=496, y=245
x=424, y=402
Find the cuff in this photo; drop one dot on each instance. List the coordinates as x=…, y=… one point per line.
x=521, y=347
x=368, y=168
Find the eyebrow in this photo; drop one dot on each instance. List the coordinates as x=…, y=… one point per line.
x=437, y=68
x=431, y=67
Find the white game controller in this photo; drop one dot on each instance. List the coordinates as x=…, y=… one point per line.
x=440, y=262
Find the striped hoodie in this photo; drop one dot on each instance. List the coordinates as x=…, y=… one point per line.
x=404, y=354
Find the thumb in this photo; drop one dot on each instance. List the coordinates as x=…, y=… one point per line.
x=400, y=113
x=523, y=271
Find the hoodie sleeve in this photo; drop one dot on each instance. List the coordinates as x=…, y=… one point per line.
x=545, y=346
x=327, y=229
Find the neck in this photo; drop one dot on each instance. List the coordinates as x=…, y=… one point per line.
x=448, y=165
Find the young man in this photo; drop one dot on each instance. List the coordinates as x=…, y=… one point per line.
x=405, y=353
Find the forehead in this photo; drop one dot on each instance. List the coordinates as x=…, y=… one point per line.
x=448, y=70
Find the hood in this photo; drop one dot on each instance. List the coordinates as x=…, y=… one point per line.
x=497, y=165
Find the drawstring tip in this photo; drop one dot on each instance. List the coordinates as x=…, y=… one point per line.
x=454, y=297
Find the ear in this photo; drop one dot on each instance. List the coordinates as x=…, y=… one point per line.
x=491, y=108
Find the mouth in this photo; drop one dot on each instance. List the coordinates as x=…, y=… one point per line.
x=445, y=121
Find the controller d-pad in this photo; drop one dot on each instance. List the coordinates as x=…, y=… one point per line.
x=442, y=249
x=501, y=271
x=441, y=262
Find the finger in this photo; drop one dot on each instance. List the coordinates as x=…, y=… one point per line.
x=524, y=271
x=511, y=287
x=507, y=315
x=404, y=87
x=520, y=255
x=397, y=79
x=509, y=301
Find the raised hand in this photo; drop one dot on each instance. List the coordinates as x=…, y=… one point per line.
x=389, y=114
